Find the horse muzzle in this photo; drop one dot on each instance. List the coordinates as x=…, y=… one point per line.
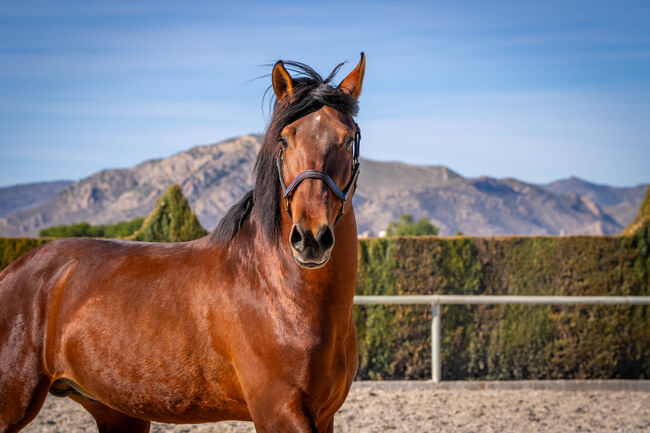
x=311, y=250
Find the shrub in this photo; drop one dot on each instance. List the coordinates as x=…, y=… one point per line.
x=172, y=220
x=407, y=226
x=118, y=230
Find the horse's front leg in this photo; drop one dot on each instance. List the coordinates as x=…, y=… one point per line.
x=271, y=415
x=291, y=419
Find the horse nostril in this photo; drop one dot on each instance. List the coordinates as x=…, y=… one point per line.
x=296, y=239
x=325, y=238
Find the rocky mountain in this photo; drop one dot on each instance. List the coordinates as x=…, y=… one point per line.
x=211, y=177
x=16, y=198
x=490, y=207
x=214, y=177
x=621, y=204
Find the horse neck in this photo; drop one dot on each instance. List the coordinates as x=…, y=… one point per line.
x=333, y=283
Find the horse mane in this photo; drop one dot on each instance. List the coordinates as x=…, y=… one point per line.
x=310, y=93
x=232, y=221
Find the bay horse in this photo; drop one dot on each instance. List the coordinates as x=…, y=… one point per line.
x=252, y=322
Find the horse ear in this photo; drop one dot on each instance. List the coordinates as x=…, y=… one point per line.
x=353, y=82
x=282, y=82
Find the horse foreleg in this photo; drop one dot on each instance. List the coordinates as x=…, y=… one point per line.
x=23, y=381
x=330, y=426
x=287, y=418
x=109, y=420
x=290, y=419
x=23, y=388
x=20, y=400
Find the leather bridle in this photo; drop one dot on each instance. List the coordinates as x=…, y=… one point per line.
x=342, y=194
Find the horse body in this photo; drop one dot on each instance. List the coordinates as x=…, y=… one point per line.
x=201, y=331
x=161, y=354
x=163, y=338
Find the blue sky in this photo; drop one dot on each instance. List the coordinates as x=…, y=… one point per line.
x=533, y=90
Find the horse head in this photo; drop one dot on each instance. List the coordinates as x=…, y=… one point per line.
x=318, y=159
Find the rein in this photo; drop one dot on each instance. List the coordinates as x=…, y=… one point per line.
x=342, y=194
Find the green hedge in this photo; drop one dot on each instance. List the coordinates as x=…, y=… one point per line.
x=12, y=248
x=506, y=342
x=120, y=229
x=497, y=342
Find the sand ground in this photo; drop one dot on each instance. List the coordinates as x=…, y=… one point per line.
x=424, y=409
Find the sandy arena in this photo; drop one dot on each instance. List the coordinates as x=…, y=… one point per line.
x=415, y=409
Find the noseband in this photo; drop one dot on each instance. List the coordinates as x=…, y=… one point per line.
x=342, y=194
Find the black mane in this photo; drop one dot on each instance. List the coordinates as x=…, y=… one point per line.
x=232, y=221
x=310, y=93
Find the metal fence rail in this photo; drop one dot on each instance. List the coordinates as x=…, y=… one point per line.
x=436, y=300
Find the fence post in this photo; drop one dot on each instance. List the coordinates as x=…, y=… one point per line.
x=435, y=342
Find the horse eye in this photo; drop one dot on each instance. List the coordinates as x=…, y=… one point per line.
x=348, y=144
x=284, y=142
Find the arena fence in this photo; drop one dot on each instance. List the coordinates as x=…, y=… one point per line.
x=436, y=300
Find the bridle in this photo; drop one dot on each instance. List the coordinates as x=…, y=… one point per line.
x=342, y=194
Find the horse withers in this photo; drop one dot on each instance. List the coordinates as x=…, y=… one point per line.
x=253, y=322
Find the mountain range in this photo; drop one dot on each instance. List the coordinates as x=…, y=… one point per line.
x=214, y=177
x=17, y=198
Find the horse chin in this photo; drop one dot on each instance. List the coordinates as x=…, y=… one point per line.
x=309, y=264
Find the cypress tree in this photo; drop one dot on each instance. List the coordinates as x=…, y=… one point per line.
x=172, y=220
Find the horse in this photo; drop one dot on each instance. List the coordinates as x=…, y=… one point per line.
x=252, y=322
